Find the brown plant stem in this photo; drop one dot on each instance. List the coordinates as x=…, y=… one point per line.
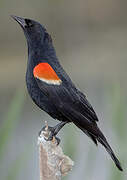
x=53, y=163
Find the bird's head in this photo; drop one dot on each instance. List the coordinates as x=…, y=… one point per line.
x=35, y=33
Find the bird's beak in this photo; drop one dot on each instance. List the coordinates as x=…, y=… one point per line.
x=20, y=20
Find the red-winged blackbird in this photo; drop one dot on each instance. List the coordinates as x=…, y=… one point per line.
x=53, y=91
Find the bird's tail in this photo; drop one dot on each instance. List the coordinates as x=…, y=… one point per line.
x=104, y=142
x=97, y=136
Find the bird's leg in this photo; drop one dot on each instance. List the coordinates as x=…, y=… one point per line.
x=54, y=131
x=57, y=128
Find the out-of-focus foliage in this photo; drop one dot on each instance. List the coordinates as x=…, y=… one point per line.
x=10, y=122
x=70, y=141
x=119, y=113
x=17, y=166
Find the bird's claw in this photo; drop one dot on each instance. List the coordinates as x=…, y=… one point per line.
x=58, y=140
x=50, y=138
x=52, y=134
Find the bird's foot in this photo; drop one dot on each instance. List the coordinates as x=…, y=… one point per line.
x=50, y=134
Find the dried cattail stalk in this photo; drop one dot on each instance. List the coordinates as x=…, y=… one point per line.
x=53, y=163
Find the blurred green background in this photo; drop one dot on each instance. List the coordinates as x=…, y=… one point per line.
x=90, y=37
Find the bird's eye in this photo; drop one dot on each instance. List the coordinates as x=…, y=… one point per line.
x=28, y=23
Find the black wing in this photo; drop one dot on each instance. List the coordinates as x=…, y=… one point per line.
x=62, y=96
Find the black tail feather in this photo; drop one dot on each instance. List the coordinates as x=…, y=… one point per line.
x=97, y=135
x=104, y=142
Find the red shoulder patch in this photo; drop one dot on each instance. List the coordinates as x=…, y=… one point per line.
x=45, y=72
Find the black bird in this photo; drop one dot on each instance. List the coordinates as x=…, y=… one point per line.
x=52, y=89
